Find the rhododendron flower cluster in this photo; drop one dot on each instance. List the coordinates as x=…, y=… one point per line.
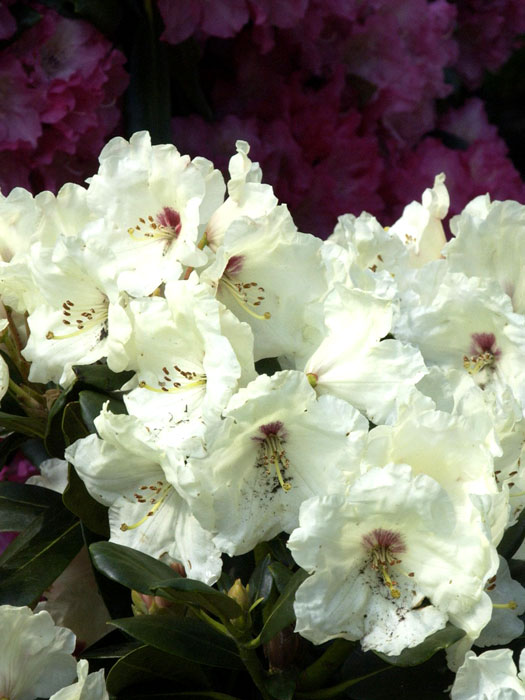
x=60, y=81
x=339, y=100
x=360, y=400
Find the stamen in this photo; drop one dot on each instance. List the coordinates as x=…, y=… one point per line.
x=511, y=605
x=165, y=390
x=191, y=380
x=272, y=453
x=383, y=544
x=155, y=505
x=82, y=319
x=165, y=226
x=240, y=292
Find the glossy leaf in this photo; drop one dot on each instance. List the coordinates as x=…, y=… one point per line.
x=73, y=427
x=91, y=404
x=78, y=500
x=281, y=574
x=513, y=538
x=146, y=663
x=21, y=503
x=129, y=567
x=54, y=439
x=417, y=655
x=38, y=556
x=260, y=583
x=101, y=377
x=142, y=573
x=32, y=427
x=9, y=445
x=191, y=592
x=184, y=637
x=282, y=613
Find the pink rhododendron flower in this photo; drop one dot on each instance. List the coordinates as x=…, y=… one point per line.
x=487, y=32
x=60, y=82
x=185, y=17
x=480, y=165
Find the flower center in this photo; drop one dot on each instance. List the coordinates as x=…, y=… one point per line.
x=79, y=318
x=164, y=226
x=152, y=494
x=383, y=546
x=271, y=454
x=176, y=380
x=249, y=295
x=483, y=353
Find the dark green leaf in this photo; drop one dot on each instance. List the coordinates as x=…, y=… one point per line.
x=281, y=685
x=185, y=637
x=513, y=538
x=281, y=575
x=147, y=664
x=260, y=583
x=31, y=564
x=116, y=596
x=418, y=655
x=21, y=503
x=101, y=377
x=73, y=427
x=78, y=500
x=9, y=445
x=279, y=551
x=34, y=451
x=32, y=427
x=282, y=613
x=91, y=403
x=54, y=439
x=517, y=570
x=147, y=575
x=129, y=567
x=191, y=592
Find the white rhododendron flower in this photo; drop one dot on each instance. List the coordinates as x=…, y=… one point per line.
x=508, y=603
x=153, y=205
x=190, y=353
x=89, y=686
x=489, y=243
x=268, y=274
x=390, y=563
x=353, y=363
x=420, y=227
x=83, y=318
x=440, y=445
x=35, y=656
x=247, y=196
x=489, y=676
x=482, y=334
x=122, y=469
x=277, y=446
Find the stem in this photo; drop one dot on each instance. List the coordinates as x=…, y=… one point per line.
x=28, y=402
x=320, y=671
x=254, y=668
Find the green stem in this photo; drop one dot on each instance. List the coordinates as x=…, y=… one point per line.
x=253, y=665
x=320, y=671
x=335, y=690
x=28, y=402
